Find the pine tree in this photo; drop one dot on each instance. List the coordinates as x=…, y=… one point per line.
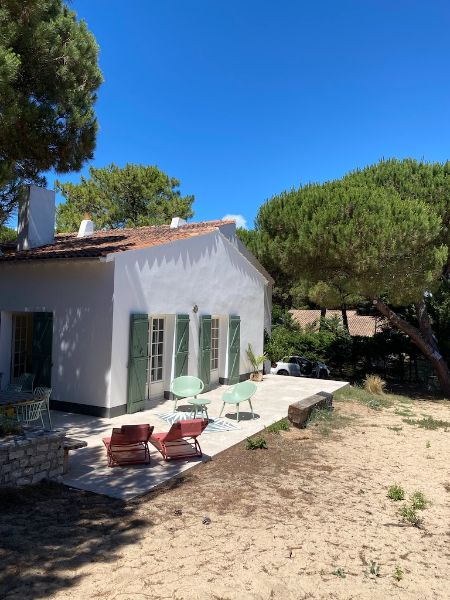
x=128, y=196
x=375, y=235
x=48, y=81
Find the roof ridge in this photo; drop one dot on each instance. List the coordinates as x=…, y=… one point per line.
x=118, y=230
x=109, y=241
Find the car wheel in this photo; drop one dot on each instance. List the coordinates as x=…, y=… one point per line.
x=283, y=372
x=323, y=374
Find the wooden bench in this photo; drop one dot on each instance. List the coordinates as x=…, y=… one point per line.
x=299, y=412
x=71, y=444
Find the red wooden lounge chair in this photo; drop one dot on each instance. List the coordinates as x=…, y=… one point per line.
x=181, y=439
x=128, y=445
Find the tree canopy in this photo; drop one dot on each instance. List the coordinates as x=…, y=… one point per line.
x=48, y=80
x=380, y=234
x=128, y=196
x=367, y=241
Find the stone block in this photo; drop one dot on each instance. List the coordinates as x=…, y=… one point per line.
x=299, y=412
x=53, y=473
x=16, y=454
x=23, y=481
x=39, y=476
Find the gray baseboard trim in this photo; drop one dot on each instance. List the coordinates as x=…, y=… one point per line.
x=226, y=381
x=116, y=411
x=88, y=409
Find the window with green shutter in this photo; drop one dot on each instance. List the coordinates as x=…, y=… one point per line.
x=204, y=354
x=137, y=362
x=234, y=348
x=182, y=345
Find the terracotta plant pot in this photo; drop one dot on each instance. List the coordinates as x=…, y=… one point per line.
x=257, y=376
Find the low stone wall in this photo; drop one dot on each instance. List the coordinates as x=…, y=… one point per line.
x=31, y=457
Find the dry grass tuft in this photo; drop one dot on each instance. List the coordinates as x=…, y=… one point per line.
x=374, y=384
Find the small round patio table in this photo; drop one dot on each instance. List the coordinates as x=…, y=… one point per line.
x=199, y=406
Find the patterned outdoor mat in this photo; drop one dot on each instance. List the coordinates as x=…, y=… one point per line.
x=215, y=424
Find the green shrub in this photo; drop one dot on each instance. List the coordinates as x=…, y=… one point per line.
x=428, y=423
x=282, y=425
x=9, y=427
x=404, y=412
x=419, y=501
x=409, y=515
x=256, y=443
x=398, y=573
x=396, y=492
x=359, y=394
x=326, y=419
x=329, y=346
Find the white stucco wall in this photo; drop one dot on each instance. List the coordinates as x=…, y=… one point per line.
x=79, y=294
x=207, y=271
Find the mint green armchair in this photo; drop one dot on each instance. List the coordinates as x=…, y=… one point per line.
x=241, y=392
x=186, y=386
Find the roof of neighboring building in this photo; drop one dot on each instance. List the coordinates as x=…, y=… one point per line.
x=365, y=325
x=102, y=243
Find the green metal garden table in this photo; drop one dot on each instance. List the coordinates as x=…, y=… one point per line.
x=199, y=405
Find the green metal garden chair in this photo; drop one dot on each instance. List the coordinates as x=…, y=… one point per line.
x=241, y=392
x=26, y=380
x=186, y=386
x=13, y=387
x=29, y=412
x=44, y=393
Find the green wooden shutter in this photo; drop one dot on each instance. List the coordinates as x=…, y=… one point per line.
x=137, y=363
x=182, y=345
x=234, y=348
x=204, y=353
x=41, y=349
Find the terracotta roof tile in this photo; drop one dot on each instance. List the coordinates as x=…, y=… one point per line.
x=364, y=325
x=102, y=243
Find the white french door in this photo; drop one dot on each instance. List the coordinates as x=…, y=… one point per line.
x=215, y=331
x=157, y=342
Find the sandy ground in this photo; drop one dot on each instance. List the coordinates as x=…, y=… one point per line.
x=283, y=520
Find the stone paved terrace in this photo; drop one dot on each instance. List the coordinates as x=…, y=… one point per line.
x=88, y=469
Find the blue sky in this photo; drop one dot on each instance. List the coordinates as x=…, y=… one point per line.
x=241, y=99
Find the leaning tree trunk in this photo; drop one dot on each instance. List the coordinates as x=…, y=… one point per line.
x=423, y=338
x=344, y=317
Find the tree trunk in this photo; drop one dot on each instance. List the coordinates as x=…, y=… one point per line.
x=345, y=317
x=423, y=338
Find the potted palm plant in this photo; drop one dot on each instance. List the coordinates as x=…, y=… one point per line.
x=256, y=362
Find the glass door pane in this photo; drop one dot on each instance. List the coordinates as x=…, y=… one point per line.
x=214, y=344
x=157, y=350
x=21, y=344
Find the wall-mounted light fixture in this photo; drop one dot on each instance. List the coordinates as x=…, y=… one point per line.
x=195, y=309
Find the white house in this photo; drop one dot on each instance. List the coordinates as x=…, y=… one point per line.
x=109, y=318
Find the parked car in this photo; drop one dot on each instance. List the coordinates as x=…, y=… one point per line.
x=298, y=366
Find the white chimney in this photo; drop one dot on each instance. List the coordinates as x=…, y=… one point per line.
x=36, y=222
x=86, y=227
x=177, y=222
